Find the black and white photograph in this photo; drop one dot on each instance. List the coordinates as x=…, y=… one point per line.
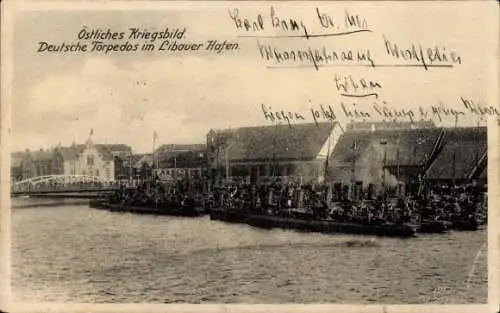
x=250, y=152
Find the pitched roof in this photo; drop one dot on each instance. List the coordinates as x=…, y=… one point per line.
x=15, y=162
x=182, y=159
x=42, y=155
x=218, y=138
x=463, y=150
x=388, y=125
x=117, y=147
x=279, y=142
x=179, y=147
x=139, y=159
x=20, y=156
x=106, y=150
x=70, y=153
x=409, y=149
x=406, y=146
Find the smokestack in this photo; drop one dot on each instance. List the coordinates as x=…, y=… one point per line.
x=345, y=192
x=371, y=191
x=401, y=190
x=338, y=191
x=358, y=190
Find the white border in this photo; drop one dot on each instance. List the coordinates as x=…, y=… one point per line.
x=9, y=7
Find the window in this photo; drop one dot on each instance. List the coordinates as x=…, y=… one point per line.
x=90, y=160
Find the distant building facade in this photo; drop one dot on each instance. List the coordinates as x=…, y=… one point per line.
x=266, y=152
x=99, y=159
x=47, y=162
x=70, y=158
x=22, y=166
x=409, y=155
x=89, y=159
x=174, y=162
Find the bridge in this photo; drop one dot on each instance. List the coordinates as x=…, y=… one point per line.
x=67, y=186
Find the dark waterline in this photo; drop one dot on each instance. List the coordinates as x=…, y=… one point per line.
x=77, y=254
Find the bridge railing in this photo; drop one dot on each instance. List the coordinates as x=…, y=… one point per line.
x=64, y=187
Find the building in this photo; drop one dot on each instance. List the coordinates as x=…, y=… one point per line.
x=70, y=157
x=217, y=140
x=407, y=155
x=27, y=164
x=166, y=148
x=172, y=162
x=22, y=166
x=99, y=159
x=258, y=153
x=89, y=159
x=136, y=166
x=16, y=169
x=463, y=157
x=122, y=157
x=388, y=125
x=47, y=162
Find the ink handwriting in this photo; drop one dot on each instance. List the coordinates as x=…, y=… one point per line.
x=432, y=57
x=292, y=27
x=348, y=86
x=364, y=111
x=273, y=25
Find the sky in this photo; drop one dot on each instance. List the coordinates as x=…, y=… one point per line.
x=125, y=98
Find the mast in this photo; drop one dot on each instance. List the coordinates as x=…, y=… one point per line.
x=438, y=147
x=397, y=153
x=328, y=152
x=226, y=157
x=479, y=167
x=274, y=163
x=130, y=166
x=476, y=139
x=454, y=160
x=353, y=178
x=155, y=156
x=384, y=165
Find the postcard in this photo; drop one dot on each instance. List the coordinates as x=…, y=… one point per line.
x=250, y=156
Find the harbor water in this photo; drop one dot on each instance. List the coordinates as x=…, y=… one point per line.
x=78, y=254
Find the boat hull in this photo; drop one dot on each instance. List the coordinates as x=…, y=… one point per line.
x=432, y=228
x=471, y=225
x=322, y=226
x=164, y=210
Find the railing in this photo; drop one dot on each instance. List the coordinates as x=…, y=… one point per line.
x=68, y=187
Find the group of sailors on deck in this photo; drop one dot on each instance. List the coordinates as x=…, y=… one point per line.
x=319, y=201
x=153, y=193
x=359, y=205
